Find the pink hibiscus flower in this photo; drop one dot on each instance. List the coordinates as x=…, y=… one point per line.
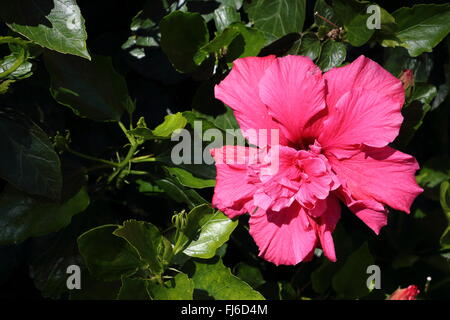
x=334, y=130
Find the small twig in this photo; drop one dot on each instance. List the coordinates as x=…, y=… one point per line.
x=326, y=20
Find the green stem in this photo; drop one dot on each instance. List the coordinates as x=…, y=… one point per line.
x=143, y=159
x=137, y=173
x=126, y=161
x=88, y=157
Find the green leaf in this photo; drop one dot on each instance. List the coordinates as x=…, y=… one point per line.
x=250, y=274
x=308, y=45
x=57, y=25
x=445, y=238
x=445, y=197
x=152, y=247
x=226, y=121
x=218, y=281
x=322, y=276
x=186, y=178
x=171, y=123
x=353, y=16
x=220, y=43
x=23, y=216
x=50, y=255
x=277, y=18
x=247, y=43
x=29, y=161
x=433, y=172
x=4, y=85
x=182, y=36
x=16, y=65
x=107, y=256
x=225, y=16
x=206, y=231
x=180, y=194
x=415, y=111
x=145, y=31
x=332, y=55
x=424, y=93
x=326, y=11
x=134, y=289
x=178, y=288
x=147, y=187
x=421, y=28
x=398, y=60
x=350, y=281
x=94, y=289
x=92, y=89
x=233, y=3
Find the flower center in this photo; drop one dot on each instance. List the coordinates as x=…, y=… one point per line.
x=283, y=175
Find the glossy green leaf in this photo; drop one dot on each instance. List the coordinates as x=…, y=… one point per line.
x=216, y=279
x=92, y=89
x=108, y=257
x=237, y=4
x=247, y=43
x=54, y=24
x=221, y=42
x=308, y=45
x=398, y=60
x=179, y=193
x=350, y=281
x=277, y=18
x=225, y=16
x=332, y=55
x=187, y=179
x=421, y=27
x=23, y=216
x=152, y=247
x=433, y=172
x=326, y=11
x=182, y=36
x=29, y=161
x=15, y=66
x=178, y=288
x=353, y=15
x=206, y=230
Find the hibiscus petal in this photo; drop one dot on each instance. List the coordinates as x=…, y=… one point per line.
x=232, y=194
x=360, y=116
x=283, y=237
x=239, y=90
x=366, y=74
x=371, y=212
x=294, y=92
x=328, y=212
x=381, y=174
